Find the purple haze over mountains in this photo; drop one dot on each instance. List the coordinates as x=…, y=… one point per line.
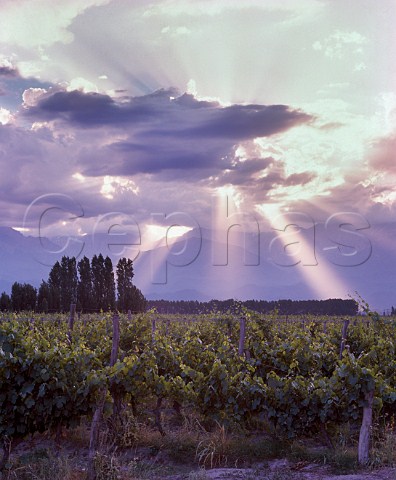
x=186, y=270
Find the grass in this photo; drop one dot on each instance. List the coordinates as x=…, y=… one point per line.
x=130, y=450
x=384, y=443
x=212, y=451
x=41, y=464
x=341, y=460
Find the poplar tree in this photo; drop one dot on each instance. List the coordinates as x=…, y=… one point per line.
x=5, y=302
x=43, y=297
x=109, y=285
x=68, y=282
x=84, y=286
x=98, y=288
x=103, y=285
x=54, y=285
x=129, y=297
x=23, y=297
x=124, y=284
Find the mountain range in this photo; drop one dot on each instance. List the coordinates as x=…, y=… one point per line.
x=203, y=265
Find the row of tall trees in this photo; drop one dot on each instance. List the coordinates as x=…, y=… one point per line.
x=91, y=285
x=23, y=297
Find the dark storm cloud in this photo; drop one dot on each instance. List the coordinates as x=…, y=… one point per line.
x=182, y=116
x=175, y=136
x=299, y=179
x=165, y=157
x=94, y=109
x=189, y=101
x=257, y=177
x=9, y=72
x=181, y=159
x=245, y=122
x=243, y=173
x=76, y=107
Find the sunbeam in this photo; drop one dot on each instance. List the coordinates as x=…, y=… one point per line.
x=295, y=247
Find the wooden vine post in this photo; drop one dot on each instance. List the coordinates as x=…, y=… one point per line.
x=97, y=417
x=343, y=337
x=365, y=429
x=153, y=329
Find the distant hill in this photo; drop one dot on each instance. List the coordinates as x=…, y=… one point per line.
x=23, y=259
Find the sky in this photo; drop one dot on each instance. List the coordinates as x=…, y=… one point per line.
x=124, y=112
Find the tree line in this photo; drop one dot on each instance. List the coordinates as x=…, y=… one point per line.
x=91, y=285
x=333, y=306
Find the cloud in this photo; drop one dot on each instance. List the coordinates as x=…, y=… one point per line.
x=243, y=173
x=169, y=115
x=6, y=71
x=263, y=181
x=299, y=178
x=40, y=161
x=5, y=116
x=114, y=153
x=77, y=107
x=112, y=185
x=250, y=55
x=382, y=155
x=43, y=22
x=360, y=67
x=175, y=31
x=12, y=83
x=181, y=159
x=208, y=7
x=31, y=96
x=177, y=136
x=251, y=121
x=83, y=85
x=340, y=43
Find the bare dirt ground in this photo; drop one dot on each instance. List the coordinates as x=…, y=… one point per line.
x=308, y=472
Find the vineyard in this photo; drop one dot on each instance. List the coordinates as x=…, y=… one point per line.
x=293, y=377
